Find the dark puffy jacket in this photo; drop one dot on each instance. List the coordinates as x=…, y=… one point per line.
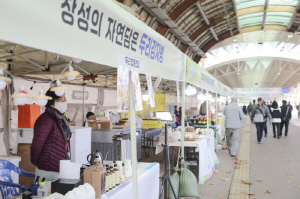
x=284, y=110
x=49, y=143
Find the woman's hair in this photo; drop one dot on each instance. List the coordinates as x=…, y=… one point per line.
x=54, y=97
x=274, y=104
x=89, y=114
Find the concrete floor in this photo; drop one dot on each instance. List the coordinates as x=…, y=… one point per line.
x=276, y=162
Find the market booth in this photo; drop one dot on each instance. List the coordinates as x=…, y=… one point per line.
x=109, y=40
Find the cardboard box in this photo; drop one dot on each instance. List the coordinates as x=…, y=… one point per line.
x=190, y=129
x=92, y=117
x=95, y=176
x=25, y=164
x=106, y=124
x=95, y=125
x=27, y=115
x=98, y=118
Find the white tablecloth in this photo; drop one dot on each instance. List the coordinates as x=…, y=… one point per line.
x=148, y=184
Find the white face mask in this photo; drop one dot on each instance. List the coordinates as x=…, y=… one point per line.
x=61, y=106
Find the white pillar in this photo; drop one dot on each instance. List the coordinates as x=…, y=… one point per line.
x=83, y=104
x=9, y=116
x=207, y=112
x=133, y=140
x=182, y=119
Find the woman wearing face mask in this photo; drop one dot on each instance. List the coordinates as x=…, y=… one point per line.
x=51, y=140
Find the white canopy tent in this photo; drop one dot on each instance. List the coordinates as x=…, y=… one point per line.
x=106, y=39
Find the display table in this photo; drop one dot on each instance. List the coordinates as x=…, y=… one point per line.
x=206, y=151
x=148, y=135
x=148, y=184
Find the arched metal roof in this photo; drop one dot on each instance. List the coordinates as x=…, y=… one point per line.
x=195, y=26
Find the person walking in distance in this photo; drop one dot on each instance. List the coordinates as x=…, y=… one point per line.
x=258, y=116
x=276, y=115
x=233, y=116
x=286, y=116
x=248, y=108
x=298, y=108
x=252, y=107
x=265, y=123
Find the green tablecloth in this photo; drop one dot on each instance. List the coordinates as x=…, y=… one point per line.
x=204, y=126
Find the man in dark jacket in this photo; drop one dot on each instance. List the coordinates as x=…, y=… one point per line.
x=286, y=116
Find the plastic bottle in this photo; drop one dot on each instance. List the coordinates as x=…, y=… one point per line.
x=123, y=172
x=117, y=175
x=42, y=191
x=107, y=180
x=109, y=177
x=113, y=177
x=114, y=120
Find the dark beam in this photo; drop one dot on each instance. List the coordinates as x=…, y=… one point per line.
x=163, y=30
x=197, y=59
x=122, y=1
x=213, y=22
x=293, y=29
x=221, y=38
x=182, y=8
x=184, y=48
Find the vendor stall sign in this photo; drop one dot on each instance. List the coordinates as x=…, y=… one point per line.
x=78, y=95
x=135, y=78
x=150, y=89
x=122, y=85
x=102, y=28
x=130, y=62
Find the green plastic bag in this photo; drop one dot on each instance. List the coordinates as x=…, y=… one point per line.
x=188, y=183
x=175, y=182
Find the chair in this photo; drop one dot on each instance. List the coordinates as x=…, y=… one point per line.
x=7, y=187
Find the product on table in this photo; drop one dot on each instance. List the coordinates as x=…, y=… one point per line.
x=120, y=168
x=128, y=168
x=95, y=175
x=42, y=191
x=109, y=177
x=113, y=177
x=117, y=175
x=107, y=180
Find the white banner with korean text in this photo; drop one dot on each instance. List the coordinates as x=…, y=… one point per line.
x=199, y=77
x=96, y=31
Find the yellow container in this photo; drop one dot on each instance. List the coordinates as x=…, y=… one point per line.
x=152, y=124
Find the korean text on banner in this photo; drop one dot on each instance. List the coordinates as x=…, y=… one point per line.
x=113, y=35
x=135, y=78
x=122, y=85
x=150, y=90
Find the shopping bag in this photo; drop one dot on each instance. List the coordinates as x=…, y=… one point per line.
x=187, y=183
x=175, y=182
